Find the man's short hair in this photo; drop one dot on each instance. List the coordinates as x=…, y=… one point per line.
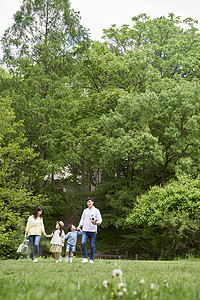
x=89, y=198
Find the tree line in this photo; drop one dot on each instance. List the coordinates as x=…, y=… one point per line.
x=122, y=115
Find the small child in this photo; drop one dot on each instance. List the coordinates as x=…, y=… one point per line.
x=56, y=241
x=71, y=243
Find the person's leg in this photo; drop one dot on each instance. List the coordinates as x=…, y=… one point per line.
x=83, y=244
x=60, y=258
x=36, y=244
x=92, y=237
x=67, y=256
x=31, y=242
x=67, y=253
x=72, y=251
x=71, y=257
x=56, y=256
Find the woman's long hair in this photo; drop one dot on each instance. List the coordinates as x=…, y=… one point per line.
x=35, y=214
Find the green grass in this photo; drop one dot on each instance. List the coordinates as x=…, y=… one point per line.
x=22, y=279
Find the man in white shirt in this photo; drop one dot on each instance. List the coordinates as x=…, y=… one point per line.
x=91, y=217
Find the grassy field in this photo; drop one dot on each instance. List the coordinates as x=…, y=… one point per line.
x=166, y=280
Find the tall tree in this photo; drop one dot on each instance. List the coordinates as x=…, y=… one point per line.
x=16, y=200
x=153, y=133
x=41, y=49
x=149, y=139
x=171, y=49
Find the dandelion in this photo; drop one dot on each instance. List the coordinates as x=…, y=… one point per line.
x=141, y=281
x=105, y=283
x=121, y=285
x=134, y=293
x=124, y=290
x=117, y=273
x=152, y=287
x=165, y=281
x=120, y=294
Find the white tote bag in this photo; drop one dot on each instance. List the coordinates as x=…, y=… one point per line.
x=24, y=247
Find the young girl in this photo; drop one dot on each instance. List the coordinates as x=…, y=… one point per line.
x=71, y=243
x=56, y=241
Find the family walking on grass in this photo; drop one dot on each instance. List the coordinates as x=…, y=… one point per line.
x=91, y=217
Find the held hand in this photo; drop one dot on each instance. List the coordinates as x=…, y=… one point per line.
x=48, y=235
x=25, y=235
x=95, y=223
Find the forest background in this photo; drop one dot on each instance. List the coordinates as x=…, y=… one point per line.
x=118, y=120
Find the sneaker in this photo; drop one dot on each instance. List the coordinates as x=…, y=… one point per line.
x=67, y=258
x=85, y=260
x=60, y=259
x=35, y=260
x=91, y=261
x=70, y=260
x=56, y=261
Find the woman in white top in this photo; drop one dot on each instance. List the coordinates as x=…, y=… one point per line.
x=56, y=241
x=34, y=229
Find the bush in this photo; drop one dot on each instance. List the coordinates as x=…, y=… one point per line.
x=172, y=213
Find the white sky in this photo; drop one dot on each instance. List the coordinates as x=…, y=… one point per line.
x=97, y=15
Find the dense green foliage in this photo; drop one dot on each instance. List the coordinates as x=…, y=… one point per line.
x=16, y=199
x=150, y=138
x=117, y=117
x=45, y=280
x=172, y=215
x=40, y=50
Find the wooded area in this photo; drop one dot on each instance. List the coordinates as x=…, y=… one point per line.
x=120, y=119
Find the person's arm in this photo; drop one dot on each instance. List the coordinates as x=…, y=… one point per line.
x=42, y=228
x=49, y=235
x=81, y=223
x=99, y=218
x=27, y=228
x=65, y=237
